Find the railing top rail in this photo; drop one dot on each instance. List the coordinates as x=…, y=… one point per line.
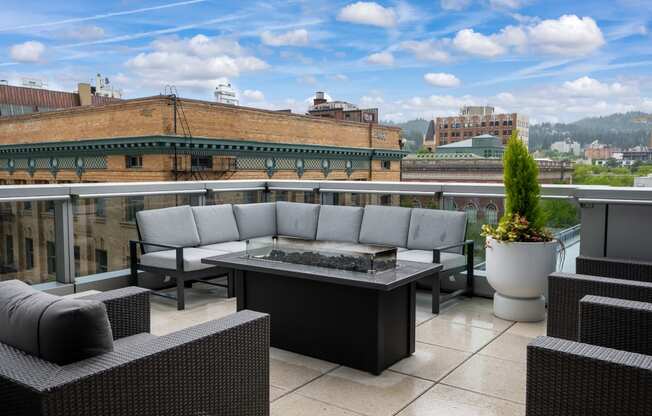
x=583, y=193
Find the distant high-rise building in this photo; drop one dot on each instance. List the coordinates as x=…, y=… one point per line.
x=475, y=121
x=225, y=94
x=599, y=151
x=567, y=146
x=341, y=110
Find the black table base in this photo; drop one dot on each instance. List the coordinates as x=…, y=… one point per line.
x=363, y=328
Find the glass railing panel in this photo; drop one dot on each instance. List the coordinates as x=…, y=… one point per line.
x=364, y=199
x=27, y=241
x=104, y=226
x=235, y=197
x=293, y=196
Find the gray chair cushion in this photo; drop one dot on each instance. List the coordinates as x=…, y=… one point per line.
x=339, y=223
x=447, y=260
x=255, y=220
x=295, y=219
x=216, y=224
x=56, y=329
x=229, y=246
x=432, y=228
x=385, y=226
x=191, y=259
x=174, y=226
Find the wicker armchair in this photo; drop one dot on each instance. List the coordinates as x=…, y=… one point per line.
x=217, y=368
x=614, y=278
x=609, y=372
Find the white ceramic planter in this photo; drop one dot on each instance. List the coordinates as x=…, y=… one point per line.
x=519, y=274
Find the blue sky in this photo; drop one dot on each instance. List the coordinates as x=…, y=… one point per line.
x=553, y=60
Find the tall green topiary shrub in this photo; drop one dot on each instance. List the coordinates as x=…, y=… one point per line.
x=524, y=219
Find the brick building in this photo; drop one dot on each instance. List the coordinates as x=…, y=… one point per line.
x=341, y=110
x=475, y=121
x=165, y=138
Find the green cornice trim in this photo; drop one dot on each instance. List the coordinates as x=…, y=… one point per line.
x=205, y=145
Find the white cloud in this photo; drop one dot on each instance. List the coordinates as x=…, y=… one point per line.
x=86, y=33
x=477, y=44
x=298, y=37
x=30, y=51
x=426, y=50
x=200, y=62
x=568, y=35
x=442, y=79
x=381, y=58
x=368, y=13
x=454, y=4
x=590, y=87
x=254, y=95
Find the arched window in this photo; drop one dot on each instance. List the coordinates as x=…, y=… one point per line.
x=491, y=214
x=471, y=213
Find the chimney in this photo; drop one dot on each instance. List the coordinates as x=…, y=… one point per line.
x=85, y=95
x=319, y=98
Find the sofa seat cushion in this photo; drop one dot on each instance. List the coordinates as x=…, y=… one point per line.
x=215, y=224
x=386, y=226
x=298, y=220
x=339, y=223
x=172, y=226
x=228, y=247
x=49, y=326
x=255, y=220
x=191, y=259
x=448, y=260
x=432, y=228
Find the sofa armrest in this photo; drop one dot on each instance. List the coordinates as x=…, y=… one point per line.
x=574, y=379
x=467, y=246
x=128, y=310
x=219, y=367
x=616, y=323
x=616, y=268
x=133, y=254
x=565, y=291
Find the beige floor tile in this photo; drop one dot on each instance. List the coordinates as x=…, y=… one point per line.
x=474, y=314
x=492, y=376
x=528, y=329
x=297, y=405
x=448, y=401
x=430, y=361
x=166, y=318
x=289, y=370
x=365, y=393
x=508, y=347
x=275, y=393
x=448, y=334
x=424, y=306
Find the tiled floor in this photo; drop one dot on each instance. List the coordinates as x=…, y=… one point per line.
x=467, y=363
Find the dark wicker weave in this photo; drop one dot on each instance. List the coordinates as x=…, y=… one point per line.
x=216, y=368
x=616, y=268
x=128, y=310
x=567, y=378
x=566, y=290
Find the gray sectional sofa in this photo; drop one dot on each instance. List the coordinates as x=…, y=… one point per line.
x=174, y=240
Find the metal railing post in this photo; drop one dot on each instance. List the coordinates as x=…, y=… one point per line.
x=64, y=240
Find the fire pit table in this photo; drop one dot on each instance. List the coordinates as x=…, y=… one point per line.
x=350, y=304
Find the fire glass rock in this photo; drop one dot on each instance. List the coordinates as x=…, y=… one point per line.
x=340, y=261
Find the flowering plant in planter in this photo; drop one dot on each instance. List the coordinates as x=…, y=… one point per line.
x=523, y=220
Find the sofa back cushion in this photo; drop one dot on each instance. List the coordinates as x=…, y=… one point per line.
x=215, y=224
x=385, y=225
x=295, y=219
x=339, y=223
x=173, y=226
x=431, y=228
x=56, y=329
x=255, y=220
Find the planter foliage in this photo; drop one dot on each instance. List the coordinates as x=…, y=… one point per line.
x=524, y=220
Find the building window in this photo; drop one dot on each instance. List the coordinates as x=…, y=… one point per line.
x=133, y=162
x=385, y=200
x=471, y=213
x=29, y=253
x=9, y=250
x=134, y=204
x=491, y=214
x=201, y=162
x=386, y=164
x=52, y=258
x=100, y=207
x=101, y=261
x=77, y=261
x=27, y=205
